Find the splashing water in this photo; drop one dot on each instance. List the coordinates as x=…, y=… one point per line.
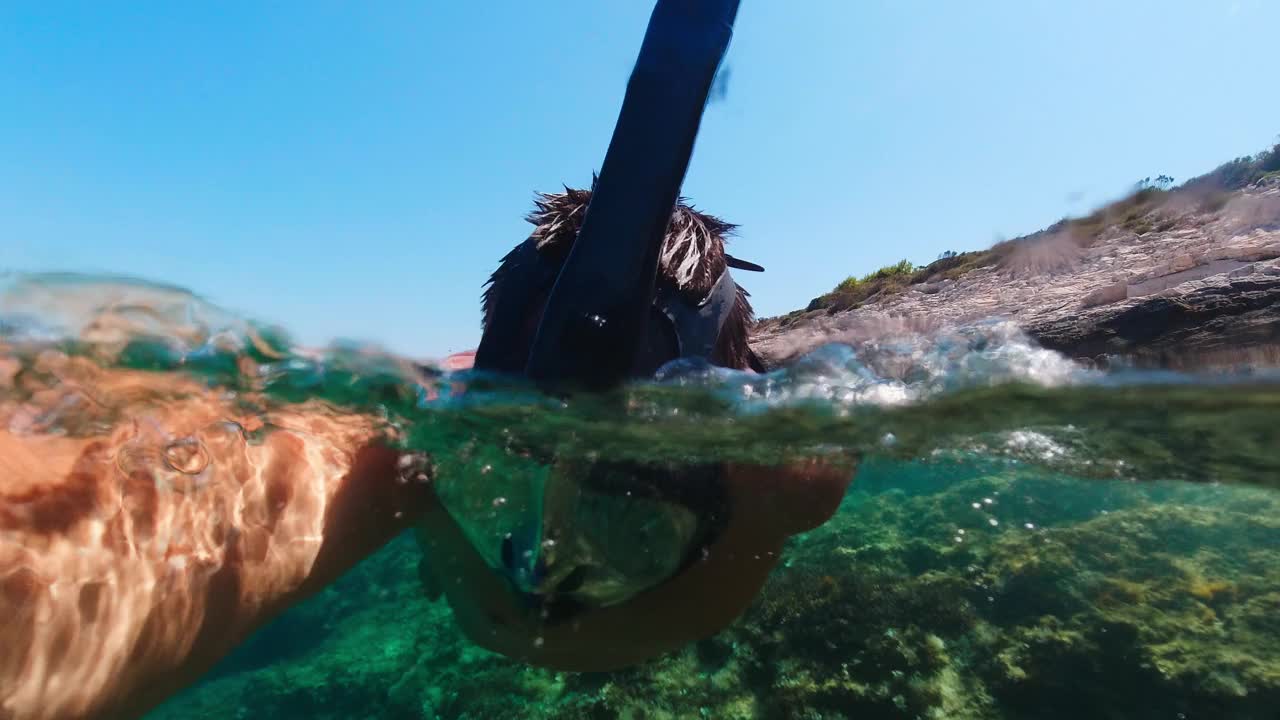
x=981, y=389
x=1008, y=455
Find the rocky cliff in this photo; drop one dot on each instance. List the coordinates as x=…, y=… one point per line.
x=1188, y=278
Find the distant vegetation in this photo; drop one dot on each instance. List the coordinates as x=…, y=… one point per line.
x=902, y=268
x=1138, y=212
x=853, y=290
x=1239, y=173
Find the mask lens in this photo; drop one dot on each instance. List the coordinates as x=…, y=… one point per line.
x=610, y=534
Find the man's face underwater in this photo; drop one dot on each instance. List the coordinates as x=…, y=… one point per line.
x=606, y=534
x=579, y=535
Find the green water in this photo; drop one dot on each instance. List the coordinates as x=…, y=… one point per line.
x=1053, y=598
x=1024, y=538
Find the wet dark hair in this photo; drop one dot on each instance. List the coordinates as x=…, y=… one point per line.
x=691, y=263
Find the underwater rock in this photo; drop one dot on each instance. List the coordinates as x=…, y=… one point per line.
x=938, y=591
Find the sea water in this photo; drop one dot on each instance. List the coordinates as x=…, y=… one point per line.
x=1024, y=538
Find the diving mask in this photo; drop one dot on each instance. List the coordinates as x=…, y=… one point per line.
x=610, y=531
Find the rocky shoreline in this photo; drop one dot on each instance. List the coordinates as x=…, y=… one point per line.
x=1182, y=287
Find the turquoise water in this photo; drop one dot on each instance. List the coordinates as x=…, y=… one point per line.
x=1084, y=599
x=1024, y=538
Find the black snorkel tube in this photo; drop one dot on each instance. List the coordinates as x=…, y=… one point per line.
x=596, y=315
x=599, y=299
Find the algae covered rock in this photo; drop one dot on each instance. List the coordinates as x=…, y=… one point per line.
x=940, y=590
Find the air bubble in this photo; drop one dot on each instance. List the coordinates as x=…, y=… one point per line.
x=413, y=466
x=186, y=456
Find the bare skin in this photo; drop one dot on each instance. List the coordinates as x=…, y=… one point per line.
x=122, y=578
x=140, y=548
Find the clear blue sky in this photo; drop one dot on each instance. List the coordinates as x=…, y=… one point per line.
x=357, y=169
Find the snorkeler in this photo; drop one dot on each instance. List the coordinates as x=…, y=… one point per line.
x=603, y=589
x=132, y=560
x=612, y=285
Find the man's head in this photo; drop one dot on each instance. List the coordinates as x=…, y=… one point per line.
x=697, y=309
x=587, y=511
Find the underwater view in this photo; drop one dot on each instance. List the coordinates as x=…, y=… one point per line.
x=1022, y=538
x=1060, y=598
